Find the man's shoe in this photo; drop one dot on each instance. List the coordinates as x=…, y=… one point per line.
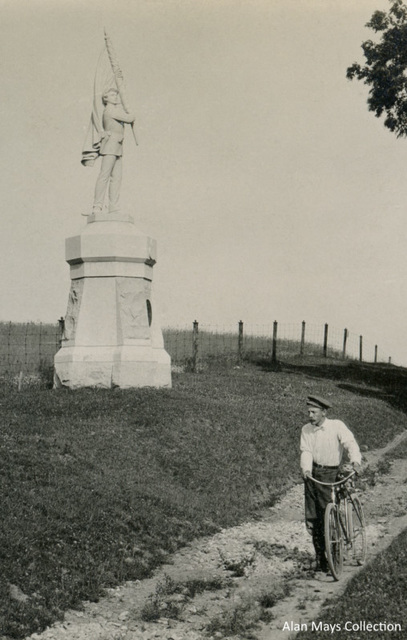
x=324, y=568
x=322, y=565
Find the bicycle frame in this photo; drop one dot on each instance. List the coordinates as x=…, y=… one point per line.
x=335, y=487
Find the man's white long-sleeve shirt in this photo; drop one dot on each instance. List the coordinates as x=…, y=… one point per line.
x=325, y=444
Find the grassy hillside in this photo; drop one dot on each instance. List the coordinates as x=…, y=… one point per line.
x=99, y=486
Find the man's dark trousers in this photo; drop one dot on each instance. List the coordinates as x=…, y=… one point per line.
x=316, y=499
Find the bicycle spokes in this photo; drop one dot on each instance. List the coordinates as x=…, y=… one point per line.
x=357, y=530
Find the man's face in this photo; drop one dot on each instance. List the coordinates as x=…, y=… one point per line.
x=316, y=415
x=112, y=97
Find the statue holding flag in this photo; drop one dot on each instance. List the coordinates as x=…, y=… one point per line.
x=106, y=130
x=111, y=151
x=112, y=337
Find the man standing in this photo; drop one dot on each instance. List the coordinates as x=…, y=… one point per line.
x=323, y=442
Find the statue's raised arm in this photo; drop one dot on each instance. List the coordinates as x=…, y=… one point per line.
x=106, y=130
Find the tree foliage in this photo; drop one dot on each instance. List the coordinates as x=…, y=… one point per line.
x=385, y=68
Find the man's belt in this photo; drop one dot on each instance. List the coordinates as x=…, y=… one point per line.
x=324, y=466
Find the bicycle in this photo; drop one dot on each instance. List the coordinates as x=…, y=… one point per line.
x=344, y=525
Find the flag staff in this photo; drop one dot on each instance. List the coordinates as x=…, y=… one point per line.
x=118, y=76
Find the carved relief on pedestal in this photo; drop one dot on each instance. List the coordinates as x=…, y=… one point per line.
x=131, y=298
x=72, y=312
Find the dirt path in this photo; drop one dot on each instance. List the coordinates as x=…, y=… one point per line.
x=385, y=506
x=216, y=583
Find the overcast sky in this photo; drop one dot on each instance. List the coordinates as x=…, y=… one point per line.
x=271, y=190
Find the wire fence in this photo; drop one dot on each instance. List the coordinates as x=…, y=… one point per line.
x=278, y=341
x=29, y=349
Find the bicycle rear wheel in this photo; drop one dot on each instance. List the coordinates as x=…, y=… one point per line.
x=333, y=540
x=356, y=520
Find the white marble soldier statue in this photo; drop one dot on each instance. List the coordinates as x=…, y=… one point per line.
x=111, y=151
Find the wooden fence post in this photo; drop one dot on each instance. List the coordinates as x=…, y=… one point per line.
x=302, y=338
x=326, y=340
x=9, y=345
x=345, y=339
x=61, y=325
x=25, y=347
x=240, y=342
x=274, y=349
x=195, y=345
x=40, y=343
x=375, y=353
x=360, y=348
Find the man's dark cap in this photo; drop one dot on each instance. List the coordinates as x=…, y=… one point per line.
x=317, y=401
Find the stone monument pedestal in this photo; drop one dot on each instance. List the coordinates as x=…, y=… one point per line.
x=111, y=336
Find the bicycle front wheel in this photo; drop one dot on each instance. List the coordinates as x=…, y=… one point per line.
x=333, y=540
x=357, y=530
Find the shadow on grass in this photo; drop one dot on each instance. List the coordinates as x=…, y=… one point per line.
x=380, y=381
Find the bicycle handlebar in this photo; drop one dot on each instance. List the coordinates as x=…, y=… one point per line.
x=332, y=484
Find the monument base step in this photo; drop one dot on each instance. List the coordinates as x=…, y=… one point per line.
x=108, y=367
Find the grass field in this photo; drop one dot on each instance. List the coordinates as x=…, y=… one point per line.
x=99, y=486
